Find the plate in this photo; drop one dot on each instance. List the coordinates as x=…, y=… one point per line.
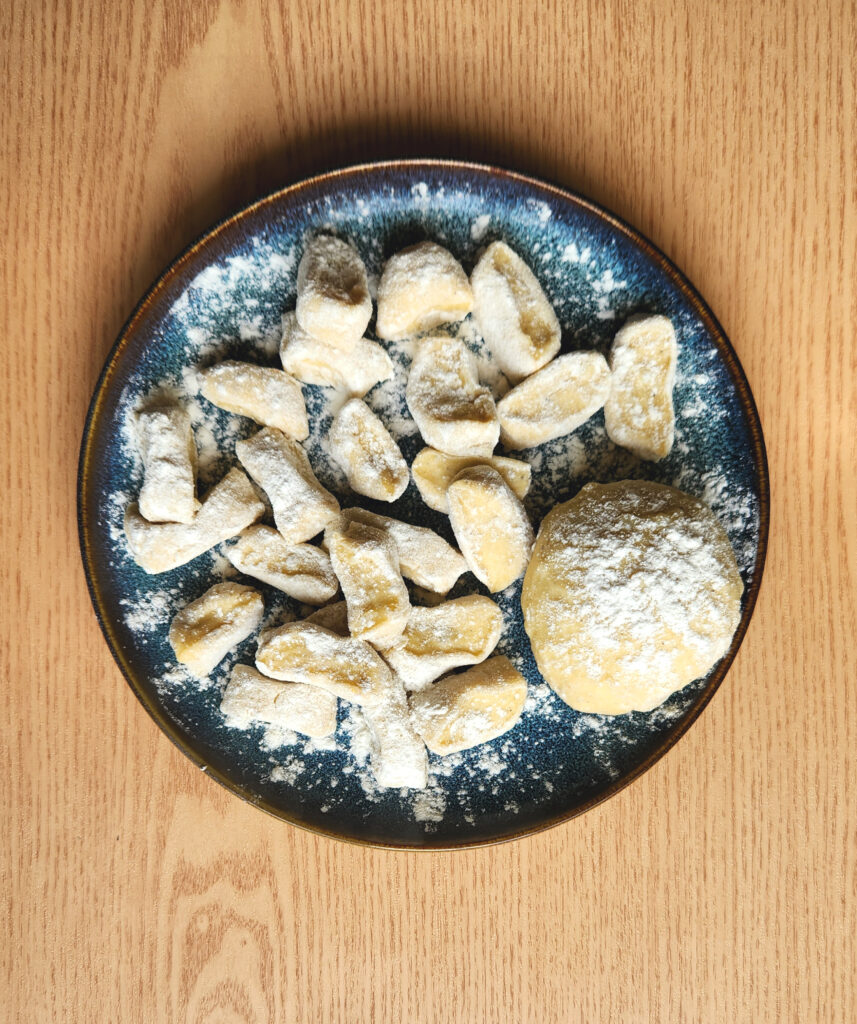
x=223, y=297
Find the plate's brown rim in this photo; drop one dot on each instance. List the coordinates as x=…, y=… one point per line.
x=681, y=282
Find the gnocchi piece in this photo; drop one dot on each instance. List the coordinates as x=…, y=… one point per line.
x=315, y=362
x=454, y=413
x=368, y=455
x=397, y=754
x=303, y=652
x=229, y=507
x=251, y=697
x=333, y=617
x=490, y=525
x=168, y=450
x=476, y=706
x=302, y=571
x=514, y=316
x=555, y=401
x=421, y=287
x=367, y=563
x=262, y=393
x=207, y=629
x=638, y=413
x=460, y=632
x=425, y=558
x=434, y=471
x=333, y=301
x=279, y=465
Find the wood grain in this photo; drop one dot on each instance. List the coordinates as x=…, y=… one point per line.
x=720, y=887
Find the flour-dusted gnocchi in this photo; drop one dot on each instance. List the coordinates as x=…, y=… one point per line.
x=490, y=525
x=421, y=287
x=368, y=455
x=366, y=562
x=453, y=411
x=425, y=558
x=474, y=707
x=434, y=471
x=638, y=413
x=279, y=465
x=229, y=507
x=205, y=631
x=303, y=652
x=556, y=400
x=315, y=362
x=167, y=447
x=459, y=632
x=299, y=570
x=262, y=393
x=397, y=754
x=333, y=301
x=250, y=697
x=514, y=315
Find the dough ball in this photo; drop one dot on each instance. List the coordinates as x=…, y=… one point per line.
x=632, y=592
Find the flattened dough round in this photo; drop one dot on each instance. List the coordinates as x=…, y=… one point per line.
x=632, y=592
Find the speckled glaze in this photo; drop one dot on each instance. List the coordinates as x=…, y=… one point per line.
x=596, y=270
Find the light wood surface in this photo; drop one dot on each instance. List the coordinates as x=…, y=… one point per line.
x=720, y=887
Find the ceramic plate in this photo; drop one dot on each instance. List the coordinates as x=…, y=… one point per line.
x=223, y=298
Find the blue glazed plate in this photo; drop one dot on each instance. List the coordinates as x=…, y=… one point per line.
x=223, y=298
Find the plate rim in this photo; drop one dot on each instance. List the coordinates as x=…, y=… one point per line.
x=602, y=213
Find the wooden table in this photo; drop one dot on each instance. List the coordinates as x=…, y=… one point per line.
x=720, y=887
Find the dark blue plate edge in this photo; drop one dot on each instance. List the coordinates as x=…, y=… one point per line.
x=180, y=738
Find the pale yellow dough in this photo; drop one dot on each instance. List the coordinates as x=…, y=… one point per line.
x=632, y=592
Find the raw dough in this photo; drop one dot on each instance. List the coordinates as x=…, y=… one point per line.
x=262, y=393
x=315, y=362
x=490, y=525
x=367, y=453
x=470, y=708
x=513, y=313
x=632, y=592
x=299, y=570
x=453, y=411
x=333, y=301
x=638, y=413
x=204, y=631
x=251, y=697
x=421, y=287
x=554, y=401
x=434, y=471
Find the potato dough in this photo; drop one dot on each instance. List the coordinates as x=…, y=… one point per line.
x=490, y=525
x=397, y=754
x=368, y=455
x=315, y=362
x=279, y=465
x=251, y=697
x=262, y=393
x=556, y=400
x=434, y=471
x=632, y=593
x=229, y=507
x=421, y=287
x=454, y=413
x=204, y=631
x=333, y=293
x=367, y=563
x=473, y=707
x=299, y=570
x=168, y=451
x=425, y=558
x=303, y=652
x=459, y=632
x=513, y=313
x=638, y=413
